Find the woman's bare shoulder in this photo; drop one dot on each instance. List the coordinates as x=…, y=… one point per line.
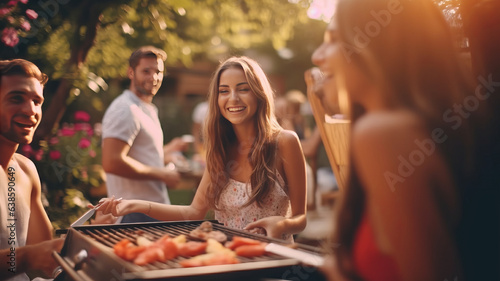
x=287, y=139
x=287, y=135
x=379, y=140
x=384, y=126
x=289, y=146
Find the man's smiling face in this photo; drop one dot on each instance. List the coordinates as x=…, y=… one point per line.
x=21, y=101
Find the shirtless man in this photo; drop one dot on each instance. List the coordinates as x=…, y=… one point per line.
x=26, y=241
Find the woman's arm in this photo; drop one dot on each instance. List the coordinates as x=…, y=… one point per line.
x=410, y=198
x=292, y=158
x=196, y=211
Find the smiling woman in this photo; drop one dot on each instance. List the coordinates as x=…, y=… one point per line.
x=255, y=177
x=237, y=102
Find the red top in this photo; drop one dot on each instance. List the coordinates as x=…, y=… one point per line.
x=371, y=264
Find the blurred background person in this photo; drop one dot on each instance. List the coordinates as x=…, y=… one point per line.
x=198, y=117
x=414, y=157
x=132, y=149
x=293, y=112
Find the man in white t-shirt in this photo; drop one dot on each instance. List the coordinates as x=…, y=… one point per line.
x=132, y=149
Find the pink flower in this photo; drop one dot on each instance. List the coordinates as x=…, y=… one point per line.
x=12, y=3
x=4, y=11
x=82, y=127
x=81, y=115
x=67, y=132
x=9, y=37
x=26, y=26
x=31, y=14
x=54, y=140
x=92, y=153
x=83, y=143
x=55, y=155
x=38, y=155
x=27, y=150
x=23, y=1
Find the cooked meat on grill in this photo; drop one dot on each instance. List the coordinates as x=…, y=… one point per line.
x=127, y=250
x=147, y=252
x=211, y=252
x=113, y=253
x=241, y=241
x=192, y=248
x=205, y=231
x=206, y=226
x=250, y=251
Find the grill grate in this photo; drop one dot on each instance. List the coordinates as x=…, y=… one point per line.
x=98, y=241
x=109, y=236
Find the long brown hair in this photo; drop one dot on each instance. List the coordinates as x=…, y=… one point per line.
x=219, y=134
x=413, y=60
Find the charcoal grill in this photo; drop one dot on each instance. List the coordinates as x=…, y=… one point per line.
x=87, y=254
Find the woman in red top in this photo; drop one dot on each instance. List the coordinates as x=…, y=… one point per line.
x=413, y=112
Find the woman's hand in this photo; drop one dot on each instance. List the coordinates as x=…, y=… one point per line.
x=117, y=207
x=274, y=226
x=101, y=218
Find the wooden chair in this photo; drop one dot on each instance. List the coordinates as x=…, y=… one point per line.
x=335, y=137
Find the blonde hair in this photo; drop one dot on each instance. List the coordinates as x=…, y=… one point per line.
x=220, y=136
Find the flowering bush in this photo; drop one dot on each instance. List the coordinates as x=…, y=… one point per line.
x=69, y=167
x=14, y=21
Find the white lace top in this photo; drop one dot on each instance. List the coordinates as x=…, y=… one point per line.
x=236, y=194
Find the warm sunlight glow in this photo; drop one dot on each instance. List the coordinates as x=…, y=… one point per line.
x=322, y=9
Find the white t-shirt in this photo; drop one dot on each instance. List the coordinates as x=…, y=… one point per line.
x=200, y=112
x=136, y=122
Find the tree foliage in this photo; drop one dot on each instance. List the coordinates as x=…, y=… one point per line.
x=74, y=39
x=184, y=29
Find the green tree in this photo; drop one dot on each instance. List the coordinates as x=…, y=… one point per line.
x=75, y=39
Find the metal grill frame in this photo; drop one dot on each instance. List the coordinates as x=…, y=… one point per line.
x=102, y=263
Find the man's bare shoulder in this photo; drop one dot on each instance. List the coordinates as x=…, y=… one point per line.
x=27, y=166
x=3, y=176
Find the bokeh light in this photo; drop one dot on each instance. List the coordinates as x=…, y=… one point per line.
x=322, y=9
